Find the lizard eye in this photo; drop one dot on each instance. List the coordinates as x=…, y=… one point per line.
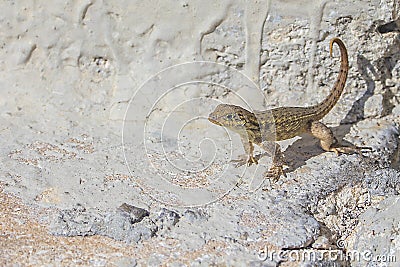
x=229, y=116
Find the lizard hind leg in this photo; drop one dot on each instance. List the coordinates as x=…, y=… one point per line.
x=328, y=141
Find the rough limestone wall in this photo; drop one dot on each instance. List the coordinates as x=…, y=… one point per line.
x=98, y=109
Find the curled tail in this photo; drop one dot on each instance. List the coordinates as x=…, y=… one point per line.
x=325, y=106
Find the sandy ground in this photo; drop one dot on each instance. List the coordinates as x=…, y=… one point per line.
x=24, y=241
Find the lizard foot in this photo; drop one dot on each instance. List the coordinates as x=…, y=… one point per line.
x=245, y=159
x=275, y=172
x=349, y=150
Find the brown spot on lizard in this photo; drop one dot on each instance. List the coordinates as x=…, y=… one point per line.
x=263, y=128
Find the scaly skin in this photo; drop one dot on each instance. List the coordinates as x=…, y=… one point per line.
x=263, y=128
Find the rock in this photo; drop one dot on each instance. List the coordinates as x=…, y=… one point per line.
x=135, y=213
x=118, y=225
x=373, y=106
x=375, y=240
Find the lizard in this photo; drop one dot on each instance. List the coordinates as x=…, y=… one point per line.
x=264, y=128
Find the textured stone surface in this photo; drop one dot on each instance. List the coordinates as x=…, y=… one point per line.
x=107, y=158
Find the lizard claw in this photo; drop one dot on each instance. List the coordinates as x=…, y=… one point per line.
x=252, y=160
x=350, y=150
x=242, y=160
x=275, y=172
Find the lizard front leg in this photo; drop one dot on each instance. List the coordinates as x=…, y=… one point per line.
x=248, y=157
x=328, y=140
x=278, y=160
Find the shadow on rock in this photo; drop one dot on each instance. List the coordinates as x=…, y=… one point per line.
x=372, y=72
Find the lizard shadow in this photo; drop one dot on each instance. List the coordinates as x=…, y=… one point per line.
x=302, y=150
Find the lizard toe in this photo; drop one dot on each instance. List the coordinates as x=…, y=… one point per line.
x=275, y=172
x=252, y=160
x=242, y=160
x=349, y=150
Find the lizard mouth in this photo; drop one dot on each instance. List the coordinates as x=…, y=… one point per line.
x=213, y=120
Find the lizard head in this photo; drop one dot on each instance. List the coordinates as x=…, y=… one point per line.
x=230, y=116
